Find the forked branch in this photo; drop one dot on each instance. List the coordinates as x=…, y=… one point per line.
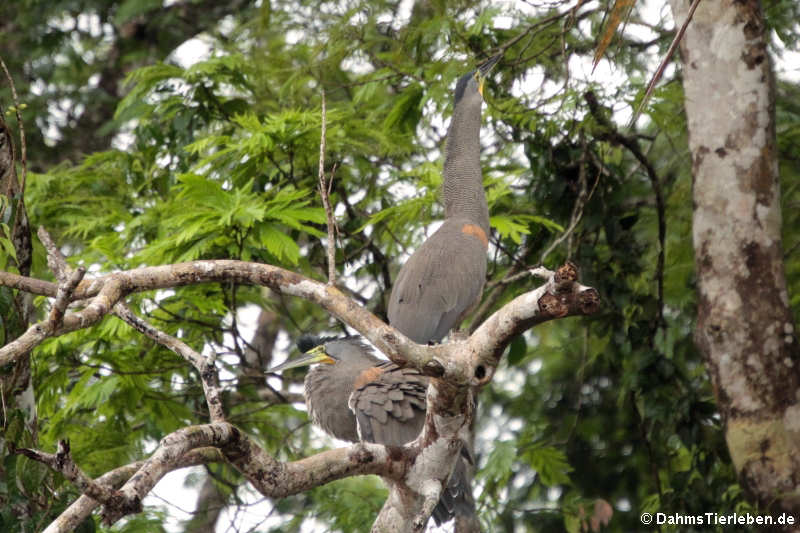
x=419, y=468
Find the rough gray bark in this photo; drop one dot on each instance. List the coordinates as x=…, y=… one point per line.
x=417, y=471
x=744, y=326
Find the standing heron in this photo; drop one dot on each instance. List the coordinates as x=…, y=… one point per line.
x=444, y=277
x=354, y=396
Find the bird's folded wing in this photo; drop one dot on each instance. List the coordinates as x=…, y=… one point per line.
x=390, y=409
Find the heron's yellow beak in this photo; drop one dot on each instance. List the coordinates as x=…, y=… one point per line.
x=315, y=355
x=483, y=71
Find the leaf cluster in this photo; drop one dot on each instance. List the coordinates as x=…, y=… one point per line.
x=219, y=159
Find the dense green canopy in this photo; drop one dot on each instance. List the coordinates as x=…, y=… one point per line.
x=138, y=157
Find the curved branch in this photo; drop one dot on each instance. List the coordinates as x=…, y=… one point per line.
x=101, y=304
x=438, y=361
x=204, y=365
x=81, y=508
x=474, y=360
x=63, y=297
x=419, y=470
x=272, y=478
x=62, y=461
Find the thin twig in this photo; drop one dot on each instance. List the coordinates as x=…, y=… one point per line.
x=56, y=261
x=62, y=462
x=5, y=412
x=324, y=192
x=517, y=272
x=577, y=213
x=664, y=62
x=539, y=25
x=203, y=365
x=63, y=298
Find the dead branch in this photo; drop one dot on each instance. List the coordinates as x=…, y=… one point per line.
x=63, y=298
x=442, y=361
x=56, y=261
x=325, y=193
x=81, y=508
x=664, y=62
x=62, y=462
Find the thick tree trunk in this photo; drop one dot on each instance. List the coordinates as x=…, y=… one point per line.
x=16, y=386
x=744, y=326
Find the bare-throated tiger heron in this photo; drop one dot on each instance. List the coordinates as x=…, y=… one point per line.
x=352, y=395
x=444, y=277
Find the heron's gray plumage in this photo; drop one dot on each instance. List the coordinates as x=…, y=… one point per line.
x=360, y=393
x=439, y=283
x=444, y=277
x=391, y=408
x=352, y=394
x=462, y=188
x=361, y=397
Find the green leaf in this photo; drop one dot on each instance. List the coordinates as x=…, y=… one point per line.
x=278, y=244
x=549, y=463
x=498, y=464
x=406, y=113
x=133, y=8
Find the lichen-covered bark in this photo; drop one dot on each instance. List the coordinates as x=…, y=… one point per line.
x=744, y=325
x=417, y=472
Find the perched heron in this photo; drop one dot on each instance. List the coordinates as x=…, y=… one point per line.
x=353, y=396
x=444, y=277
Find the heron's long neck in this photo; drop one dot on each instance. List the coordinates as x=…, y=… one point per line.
x=327, y=395
x=328, y=385
x=463, y=191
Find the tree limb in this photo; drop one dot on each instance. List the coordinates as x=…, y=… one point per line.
x=56, y=261
x=81, y=508
x=63, y=298
x=272, y=478
x=417, y=471
x=436, y=361
x=62, y=462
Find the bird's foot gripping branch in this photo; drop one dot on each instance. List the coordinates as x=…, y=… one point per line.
x=417, y=471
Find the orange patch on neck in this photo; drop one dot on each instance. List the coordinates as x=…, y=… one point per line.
x=367, y=376
x=476, y=231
